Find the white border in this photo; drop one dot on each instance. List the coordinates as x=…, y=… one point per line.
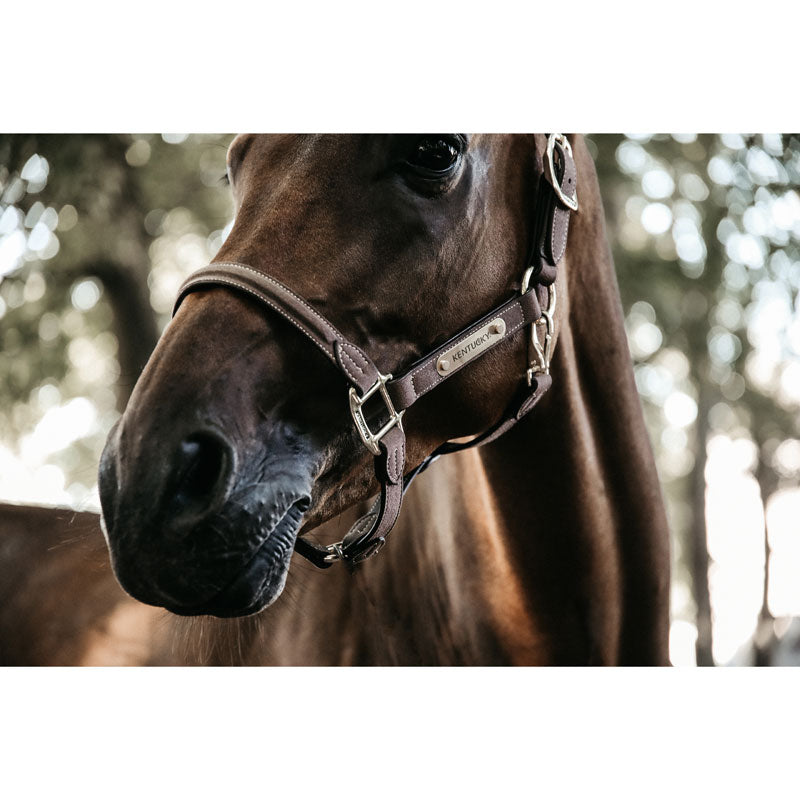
x=319, y=66
x=399, y=733
x=601, y=66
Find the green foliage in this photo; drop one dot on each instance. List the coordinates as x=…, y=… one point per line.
x=705, y=232
x=94, y=230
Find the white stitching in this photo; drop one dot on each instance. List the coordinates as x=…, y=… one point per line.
x=277, y=283
x=355, y=351
x=519, y=324
x=344, y=366
x=393, y=469
x=347, y=371
x=363, y=523
x=561, y=243
x=514, y=307
x=402, y=459
x=263, y=298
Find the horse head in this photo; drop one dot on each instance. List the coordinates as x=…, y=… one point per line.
x=238, y=434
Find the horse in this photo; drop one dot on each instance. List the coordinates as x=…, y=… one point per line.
x=546, y=545
x=60, y=604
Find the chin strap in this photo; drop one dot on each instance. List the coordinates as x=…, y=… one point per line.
x=557, y=197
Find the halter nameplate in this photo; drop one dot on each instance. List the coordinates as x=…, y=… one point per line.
x=456, y=357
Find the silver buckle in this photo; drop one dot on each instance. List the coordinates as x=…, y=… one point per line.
x=369, y=438
x=334, y=553
x=539, y=356
x=550, y=169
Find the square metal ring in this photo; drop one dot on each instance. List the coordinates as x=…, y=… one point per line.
x=369, y=438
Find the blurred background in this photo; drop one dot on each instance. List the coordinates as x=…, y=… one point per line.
x=97, y=232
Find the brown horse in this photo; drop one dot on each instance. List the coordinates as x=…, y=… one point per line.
x=59, y=601
x=547, y=546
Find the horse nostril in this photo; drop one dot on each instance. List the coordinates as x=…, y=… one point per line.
x=203, y=466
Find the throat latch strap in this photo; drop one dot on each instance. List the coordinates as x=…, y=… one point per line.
x=388, y=442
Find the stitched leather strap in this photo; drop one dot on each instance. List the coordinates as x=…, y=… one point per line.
x=551, y=218
x=423, y=375
x=357, y=367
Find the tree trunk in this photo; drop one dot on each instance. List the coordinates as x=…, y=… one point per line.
x=764, y=639
x=134, y=321
x=699, y=540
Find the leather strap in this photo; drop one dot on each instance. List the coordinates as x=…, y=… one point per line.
x=368, y=535
x=423, y=375
x=551, y=218
x=291, y=307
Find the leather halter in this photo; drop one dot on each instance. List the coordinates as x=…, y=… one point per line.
x=557, y=197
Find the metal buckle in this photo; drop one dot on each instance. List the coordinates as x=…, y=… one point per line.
x=550, y=168
x=369, y=438
x=537, y=352
x=372, y=549
x=334, y=553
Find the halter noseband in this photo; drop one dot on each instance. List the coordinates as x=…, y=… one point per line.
x=557, y=197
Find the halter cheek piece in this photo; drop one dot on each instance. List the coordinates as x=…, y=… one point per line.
x=557, y=197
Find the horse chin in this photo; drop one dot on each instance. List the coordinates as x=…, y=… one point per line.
x=260, y=582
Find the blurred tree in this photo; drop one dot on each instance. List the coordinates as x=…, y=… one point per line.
x=91, y=227
x=101, y=235
x=703, y=229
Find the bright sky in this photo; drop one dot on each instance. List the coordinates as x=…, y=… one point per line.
x=736, y=547
x=26, y=474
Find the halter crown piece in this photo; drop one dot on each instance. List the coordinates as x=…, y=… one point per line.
x=557, y=197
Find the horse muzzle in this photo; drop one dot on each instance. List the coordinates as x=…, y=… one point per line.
x=206, y=529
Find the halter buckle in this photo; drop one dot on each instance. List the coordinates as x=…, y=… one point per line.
x=333, y=553
x=550, y=168
x=370, y=439
x=337, y=552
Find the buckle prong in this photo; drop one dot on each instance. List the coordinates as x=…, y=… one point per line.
x=334, y=553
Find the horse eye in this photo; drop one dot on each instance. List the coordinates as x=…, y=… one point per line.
x=435, y=154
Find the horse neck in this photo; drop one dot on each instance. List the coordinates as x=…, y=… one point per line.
x=575, y=484
x=548, y=546
x=551, y=544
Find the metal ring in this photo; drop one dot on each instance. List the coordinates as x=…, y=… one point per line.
x=550, y=169
x=539, y=355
